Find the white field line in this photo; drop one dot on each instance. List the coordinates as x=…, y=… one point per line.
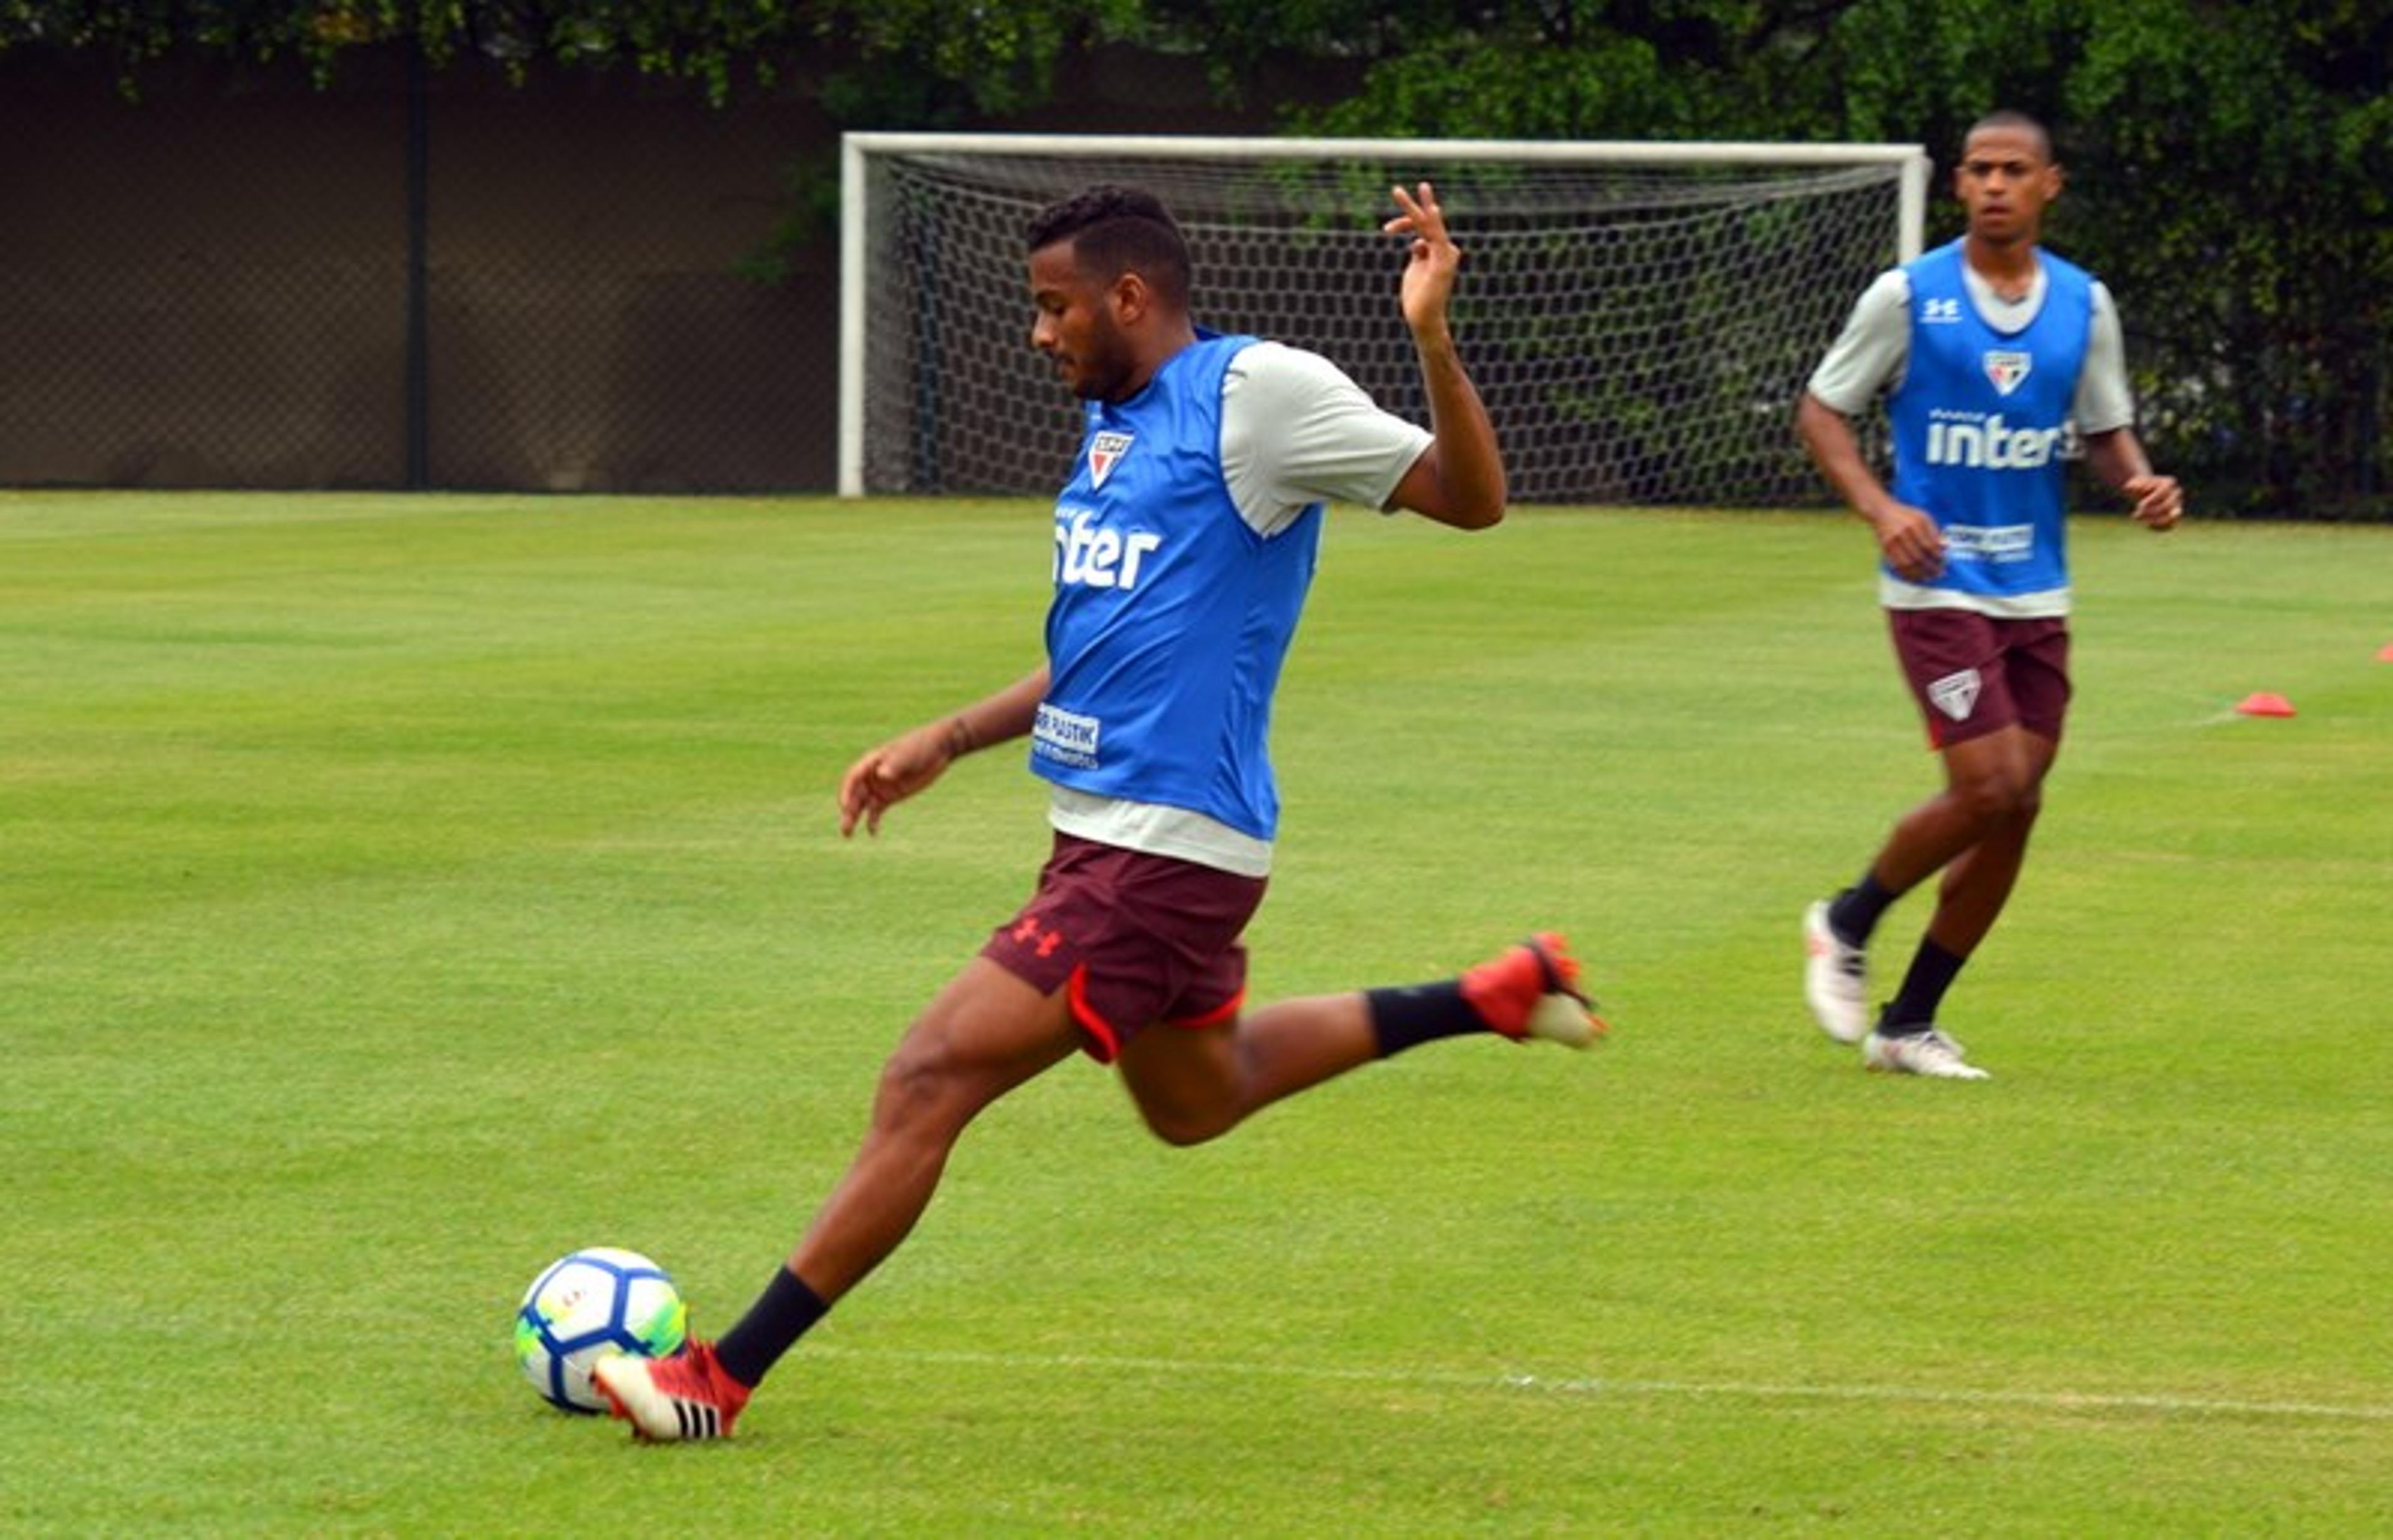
x=2047, y=1401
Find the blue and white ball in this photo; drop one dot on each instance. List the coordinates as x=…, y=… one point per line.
x=598, y=1301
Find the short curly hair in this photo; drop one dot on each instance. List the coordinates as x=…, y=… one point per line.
x=1115, y=231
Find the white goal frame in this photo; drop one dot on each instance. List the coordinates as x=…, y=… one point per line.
x=857, y=149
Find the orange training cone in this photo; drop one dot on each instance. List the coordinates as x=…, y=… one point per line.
x=2385, y=653
x=2265, y=704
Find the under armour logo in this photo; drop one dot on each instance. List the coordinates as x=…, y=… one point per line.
x=1030, y=932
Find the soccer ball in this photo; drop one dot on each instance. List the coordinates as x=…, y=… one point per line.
x=598, y=1301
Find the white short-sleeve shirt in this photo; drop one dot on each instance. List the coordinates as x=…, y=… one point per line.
x=1872, y=352
x=1296, y=431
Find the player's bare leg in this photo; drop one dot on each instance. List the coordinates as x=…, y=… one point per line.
x=1978, y=882
x=987, y=1033
x=1192, y=1084
x=1975, y=830
x=1987, y=780
x=1195, y=1084
x=1992, y=794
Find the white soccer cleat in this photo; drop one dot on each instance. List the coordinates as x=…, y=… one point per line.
x=1930, y=1053
x=1835, y=979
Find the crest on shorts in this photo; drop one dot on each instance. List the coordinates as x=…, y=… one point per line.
x=1955, y=694
x=1104, y=451
x=2007, y=368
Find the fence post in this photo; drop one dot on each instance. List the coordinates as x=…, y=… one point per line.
x=419, y=375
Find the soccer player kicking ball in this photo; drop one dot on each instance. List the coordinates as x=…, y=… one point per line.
x=1185, y=543
x=1988, y=348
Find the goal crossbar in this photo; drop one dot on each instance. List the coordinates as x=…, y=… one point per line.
x=1201, y=146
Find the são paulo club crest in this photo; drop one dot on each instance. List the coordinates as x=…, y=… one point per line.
x=1105, y=451
x=1957, y=694
x=2007, y=369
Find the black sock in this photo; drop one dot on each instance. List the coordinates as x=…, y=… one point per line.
x=773, y=1324
x=1912, y=1010
x=1852, y=914
x=1407, y=1018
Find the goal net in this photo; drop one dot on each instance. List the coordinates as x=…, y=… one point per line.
x=1639, y=318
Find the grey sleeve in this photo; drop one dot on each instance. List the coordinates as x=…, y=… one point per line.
x=1869, y=354
x=2104, y=401
x=1296, y=431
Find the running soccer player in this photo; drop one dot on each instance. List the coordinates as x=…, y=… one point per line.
x=1988, y=348
x=1185, y=543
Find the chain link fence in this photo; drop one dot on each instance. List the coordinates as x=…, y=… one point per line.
x=396, y=280
x=403, y=280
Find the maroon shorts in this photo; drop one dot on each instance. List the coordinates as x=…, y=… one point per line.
x=1974, y=674
x=1135, y=939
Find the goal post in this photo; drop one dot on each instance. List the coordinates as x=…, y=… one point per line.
x=1638, y=317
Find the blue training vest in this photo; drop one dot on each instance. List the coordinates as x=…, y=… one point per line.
x=1171, y=615
x=1979, y=423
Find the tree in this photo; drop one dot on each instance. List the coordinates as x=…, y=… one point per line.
x=2249, y=161
x=2231, y=167
x=914, y=60
x=2231, y=163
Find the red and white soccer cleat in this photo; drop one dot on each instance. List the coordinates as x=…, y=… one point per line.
x=1532, y=991
x=670, y=1400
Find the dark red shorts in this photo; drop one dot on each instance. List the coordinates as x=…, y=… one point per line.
x=1973, y=674
x=1135, y=939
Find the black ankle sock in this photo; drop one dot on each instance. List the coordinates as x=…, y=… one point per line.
x=780, y=1316
x=1912, y=1010
x=1407, y=1018
x=1852, y=914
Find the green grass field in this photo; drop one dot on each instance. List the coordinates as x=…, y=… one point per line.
x=401, y=893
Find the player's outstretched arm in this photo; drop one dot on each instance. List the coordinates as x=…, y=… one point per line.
x=1906, y=537
x=1459, y=478
x=2118, y=458
x=886, y=776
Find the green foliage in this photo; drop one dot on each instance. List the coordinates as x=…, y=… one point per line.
x=2245, y=167
x=1596, y=88
x=2232, y=164
x=910, y=61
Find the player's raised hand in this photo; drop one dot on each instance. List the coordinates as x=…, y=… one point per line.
x=2159, y=502
x=1429, y=275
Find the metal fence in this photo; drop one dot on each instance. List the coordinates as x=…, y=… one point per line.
x=404, y=280
x=451, y=279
